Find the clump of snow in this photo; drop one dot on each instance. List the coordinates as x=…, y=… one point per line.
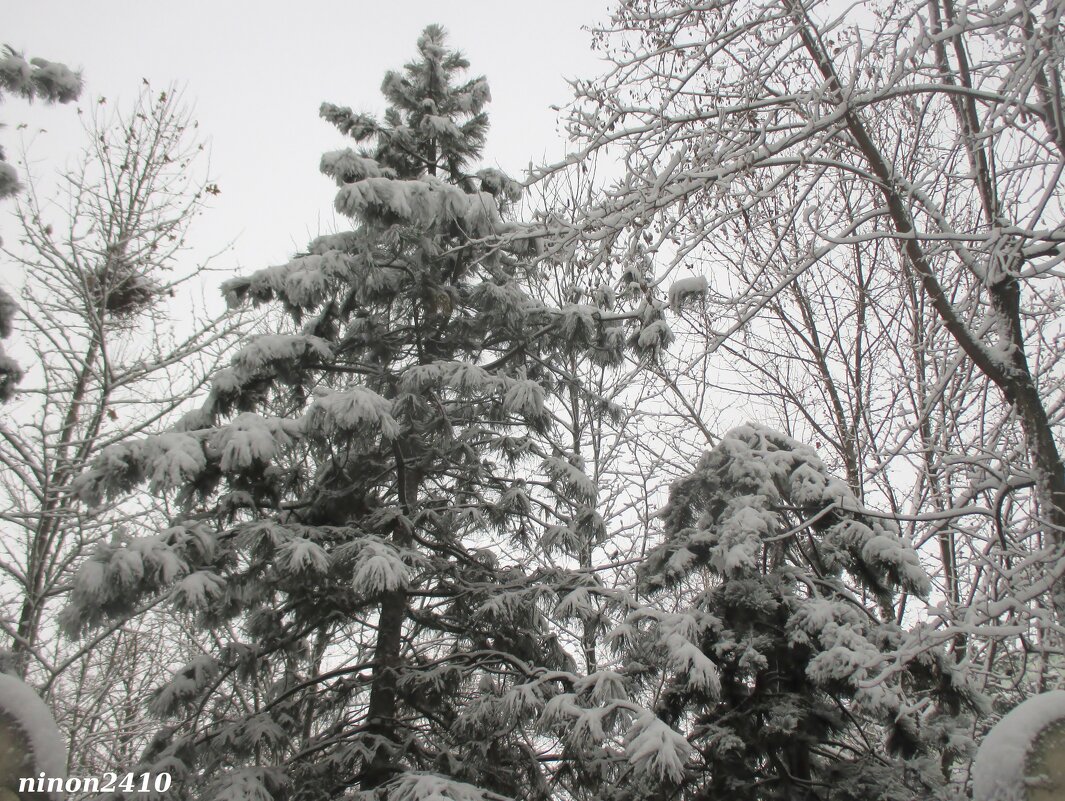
x=172, y=459
x=300, y=553
x=379, y=569
x=351, y=410
x=55, y=82
x=184, y=685
x=435, y=125
x=249, y=784
x=250, y=439
x=524, y=397
x=999, y=772
x=602, y=687
x=272, y=348
x=346, y=166
x=571, y=477
x=197, y=589
x=688, y=658
x=38, y=77
x=357, y=126
x=657, y=749
x=498, y=183
x=25, y=710
x=654, y=337
x=694, y=286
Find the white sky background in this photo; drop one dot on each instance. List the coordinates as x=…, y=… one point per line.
x=256, y=73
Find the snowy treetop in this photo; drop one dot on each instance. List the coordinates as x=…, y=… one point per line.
x=733, y=505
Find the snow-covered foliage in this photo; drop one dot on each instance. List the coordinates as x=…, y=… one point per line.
x=496, y=183
x=430, y=787
x=428, y=204
x=10, y=372
x=249, y=784
x=657, y=750
x=38, y=78
x=733, y=505
x=33, y=78
x=684, y=289
x=117, y=575
x=247, y=444
x=54, y=83
x=358, y=408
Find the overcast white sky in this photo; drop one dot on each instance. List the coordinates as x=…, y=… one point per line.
x=257, y=72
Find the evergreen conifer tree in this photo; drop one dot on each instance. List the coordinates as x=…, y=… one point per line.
x=764, y=649
x=357, y=494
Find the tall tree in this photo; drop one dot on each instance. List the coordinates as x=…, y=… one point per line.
x=359, y=494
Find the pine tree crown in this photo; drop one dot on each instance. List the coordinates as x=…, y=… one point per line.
x=433, y=124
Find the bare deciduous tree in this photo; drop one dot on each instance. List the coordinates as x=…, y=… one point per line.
x=875, y=199
x=114, y=343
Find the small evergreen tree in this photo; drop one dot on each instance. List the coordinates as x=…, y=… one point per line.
x=766, y=644
x=358, y=493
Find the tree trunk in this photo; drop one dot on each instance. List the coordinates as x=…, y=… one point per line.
x=382, y=714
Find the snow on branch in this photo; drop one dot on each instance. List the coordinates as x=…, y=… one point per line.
x=38, y=78
x=167, y=461
x=379, y=568
x=685, y=289
x=184, y=686
x=270, y=349
x=303, y=282
x=427, y=203
x=752, y=477
x=656, y=749
x=497, y=183
x=249, y=784
x=571, y=478
x=357, y=126
x=174, y=460
x=350, y=411
x=346, y=166
x=252, y=440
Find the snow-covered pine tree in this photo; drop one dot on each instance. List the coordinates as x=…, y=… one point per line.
x=765, y=647
x=357, y=493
